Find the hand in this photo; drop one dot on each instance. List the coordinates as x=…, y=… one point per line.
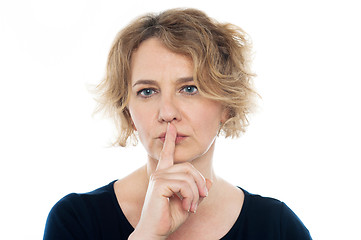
x=174, y=192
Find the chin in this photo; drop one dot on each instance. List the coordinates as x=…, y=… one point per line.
x=188, y=157
x=183, y=160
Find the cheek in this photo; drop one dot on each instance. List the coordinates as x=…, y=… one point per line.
x=143, y=121
x=139, y=114
x=208, y=119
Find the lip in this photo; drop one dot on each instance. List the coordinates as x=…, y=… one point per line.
x=180, y=137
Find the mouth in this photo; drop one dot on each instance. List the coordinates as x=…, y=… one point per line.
x=180, y=137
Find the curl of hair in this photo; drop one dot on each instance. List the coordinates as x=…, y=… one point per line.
x=221, y=55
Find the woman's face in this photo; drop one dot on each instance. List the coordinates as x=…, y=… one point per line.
x=162, y=91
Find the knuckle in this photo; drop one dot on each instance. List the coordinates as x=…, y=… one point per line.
x=188, y=168
x=189, y=178
x=186, y=187
x=155, y=176
x=188, y=165
x=188, y=175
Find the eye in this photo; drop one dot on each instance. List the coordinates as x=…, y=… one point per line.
x=191, y=89
x=146, y=92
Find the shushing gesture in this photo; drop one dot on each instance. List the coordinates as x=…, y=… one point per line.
x=174, y=192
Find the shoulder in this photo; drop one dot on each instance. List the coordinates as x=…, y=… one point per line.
x=85, y=203
x=274, y=216
x=75, y=215
x=260, y=205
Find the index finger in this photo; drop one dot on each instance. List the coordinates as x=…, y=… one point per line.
x=166, y=158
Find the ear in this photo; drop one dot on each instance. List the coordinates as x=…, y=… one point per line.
x=224, y=115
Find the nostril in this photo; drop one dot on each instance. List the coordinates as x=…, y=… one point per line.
x=169, y=108
x=169, y=114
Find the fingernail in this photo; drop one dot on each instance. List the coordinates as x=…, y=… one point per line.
x=195, y=208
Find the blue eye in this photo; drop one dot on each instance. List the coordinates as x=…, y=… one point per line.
x=147, y=92
x=190, y=89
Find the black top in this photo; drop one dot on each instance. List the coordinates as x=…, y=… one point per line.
x=97, y=215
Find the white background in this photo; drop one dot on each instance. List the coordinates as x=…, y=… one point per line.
x=302, y=147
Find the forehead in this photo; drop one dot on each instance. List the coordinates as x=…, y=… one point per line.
x=153, y=60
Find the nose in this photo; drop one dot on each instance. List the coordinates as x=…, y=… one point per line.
x=168, y=110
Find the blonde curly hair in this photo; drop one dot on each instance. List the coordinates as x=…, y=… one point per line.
x=221, y=59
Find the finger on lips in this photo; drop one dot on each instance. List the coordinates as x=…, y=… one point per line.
x=166, y=158
x=183, y=178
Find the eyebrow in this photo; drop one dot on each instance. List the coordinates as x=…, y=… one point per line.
x=152, y=82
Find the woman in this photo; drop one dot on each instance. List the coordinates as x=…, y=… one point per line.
x=177, y=80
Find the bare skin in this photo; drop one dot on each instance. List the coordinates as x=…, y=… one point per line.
x=217, y=211
x=176, y=195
